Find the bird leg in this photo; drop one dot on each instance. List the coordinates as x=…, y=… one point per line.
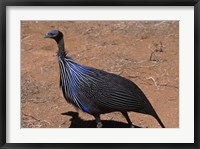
x=98, y=121
x=125, y=114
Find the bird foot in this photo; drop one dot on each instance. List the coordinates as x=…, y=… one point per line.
x=132, y=126
x=99, y=125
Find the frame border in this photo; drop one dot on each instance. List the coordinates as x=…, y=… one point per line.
x=4, y=3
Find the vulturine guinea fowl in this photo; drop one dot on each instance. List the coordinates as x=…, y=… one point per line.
x=98, y=92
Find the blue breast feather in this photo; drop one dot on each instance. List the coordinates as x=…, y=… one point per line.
x=77, y=74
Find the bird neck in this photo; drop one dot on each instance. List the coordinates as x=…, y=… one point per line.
x=61, y=48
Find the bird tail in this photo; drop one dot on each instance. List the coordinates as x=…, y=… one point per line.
x=158, y=119
x=153, y=113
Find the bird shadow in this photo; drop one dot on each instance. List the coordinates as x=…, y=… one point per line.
x=77, y=122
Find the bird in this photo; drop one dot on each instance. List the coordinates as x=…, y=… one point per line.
x=96, y=91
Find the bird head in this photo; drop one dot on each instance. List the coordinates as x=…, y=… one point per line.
x=54, y=34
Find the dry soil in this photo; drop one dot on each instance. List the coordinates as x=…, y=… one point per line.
x=146, y=52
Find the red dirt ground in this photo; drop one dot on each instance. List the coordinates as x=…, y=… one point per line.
x=146, y=52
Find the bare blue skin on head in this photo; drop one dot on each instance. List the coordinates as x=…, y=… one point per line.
x=51, y=34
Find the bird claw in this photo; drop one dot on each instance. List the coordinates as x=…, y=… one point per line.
x=99, y=125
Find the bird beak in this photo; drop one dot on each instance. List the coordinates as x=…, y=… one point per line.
x=46, y=35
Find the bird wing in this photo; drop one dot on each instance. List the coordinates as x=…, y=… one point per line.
x=118, y=93
x=120, y=100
